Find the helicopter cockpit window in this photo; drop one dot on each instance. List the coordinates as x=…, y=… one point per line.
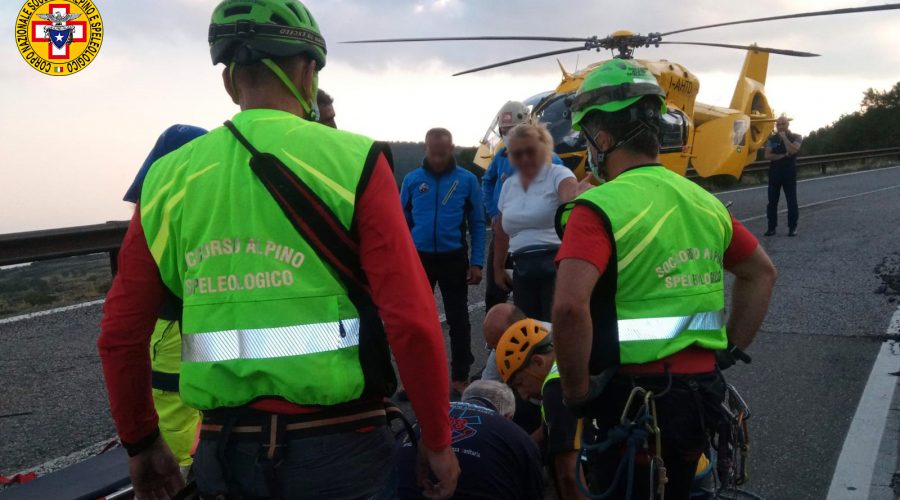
x=739, y=135
x=673, y=131
x=556, y=115
x=492, y=136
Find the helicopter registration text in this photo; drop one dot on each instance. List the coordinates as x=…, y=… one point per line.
x=681, y=85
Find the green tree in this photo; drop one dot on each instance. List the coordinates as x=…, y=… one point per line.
x=876, y=125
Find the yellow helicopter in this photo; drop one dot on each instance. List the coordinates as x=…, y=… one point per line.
x=711, y=140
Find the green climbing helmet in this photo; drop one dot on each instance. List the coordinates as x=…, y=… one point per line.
x=248, y=31
x=613, y=86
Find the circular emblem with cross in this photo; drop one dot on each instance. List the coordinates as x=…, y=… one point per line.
x=59, y=37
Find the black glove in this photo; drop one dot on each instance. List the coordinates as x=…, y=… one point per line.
x=596, y=385
x=730, y=356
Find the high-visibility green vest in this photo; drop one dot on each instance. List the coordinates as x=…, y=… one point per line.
x=178, y=423
x=666, y=274
x=552, y=375
x=262, y=316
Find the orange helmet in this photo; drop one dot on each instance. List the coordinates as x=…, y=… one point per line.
x=517, y=345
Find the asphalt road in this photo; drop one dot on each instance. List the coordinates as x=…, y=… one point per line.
x=810, y=361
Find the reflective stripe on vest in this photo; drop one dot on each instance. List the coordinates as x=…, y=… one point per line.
x=632, y=330
x=266, y=343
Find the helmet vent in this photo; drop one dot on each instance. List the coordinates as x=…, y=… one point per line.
x=237, y=10
x=279, y=20
x=525, y=347
x=300, y=15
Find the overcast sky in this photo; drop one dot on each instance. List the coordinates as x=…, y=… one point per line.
x=70, y=145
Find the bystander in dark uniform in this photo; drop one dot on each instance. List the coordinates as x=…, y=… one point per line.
x=782, y=149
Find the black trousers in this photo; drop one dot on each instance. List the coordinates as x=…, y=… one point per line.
x=493, y=294
x=687, y=413
x=448, y=271
x=534, y=277
x=783, y=178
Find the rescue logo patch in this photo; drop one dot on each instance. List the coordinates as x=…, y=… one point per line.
x=59, y=37
x=463, y=424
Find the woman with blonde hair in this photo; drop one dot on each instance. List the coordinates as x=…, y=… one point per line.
x=527, y=208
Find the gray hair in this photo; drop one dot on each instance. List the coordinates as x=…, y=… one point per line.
x=496, y=393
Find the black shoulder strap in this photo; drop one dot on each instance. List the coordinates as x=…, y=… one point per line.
x=309, y=214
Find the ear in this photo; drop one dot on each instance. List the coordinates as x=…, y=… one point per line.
x=307, y=79
x=539, y=361
x=229, y=85
x=604, y=139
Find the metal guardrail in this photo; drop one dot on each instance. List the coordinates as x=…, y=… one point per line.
x=18, y=248
x=822, y=160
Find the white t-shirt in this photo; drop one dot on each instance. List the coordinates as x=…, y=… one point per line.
x=528, y=215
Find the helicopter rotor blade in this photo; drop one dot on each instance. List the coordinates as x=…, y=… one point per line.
x=522, y=59
x=851, y=10
x=783, y=52
x=468, y=38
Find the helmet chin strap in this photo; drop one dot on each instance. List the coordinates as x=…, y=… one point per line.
x=597, y=164
x=311, y=110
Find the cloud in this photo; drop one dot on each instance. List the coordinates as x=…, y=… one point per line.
x=71, y=167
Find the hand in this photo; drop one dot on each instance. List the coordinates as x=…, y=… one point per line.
x=443, y=465
x=726, y=358
x=154, y=473
x=584, y=185
x=502, y=279
x=473, y=275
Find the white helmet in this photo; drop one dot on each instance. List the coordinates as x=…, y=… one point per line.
x=511, y=114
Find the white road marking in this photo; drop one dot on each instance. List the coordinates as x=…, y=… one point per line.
x=824, y=177
x=13, y=319
x=808, y=205
x=472, y=307
x=73, y=458
x=853, y=474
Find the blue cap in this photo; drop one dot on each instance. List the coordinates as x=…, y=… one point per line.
x=173, y=138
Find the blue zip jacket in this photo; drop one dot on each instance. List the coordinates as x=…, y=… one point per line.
x=498, y=171
x=439, y=207
x=171, y=139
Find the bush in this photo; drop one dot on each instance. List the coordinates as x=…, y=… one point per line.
x=37, y=298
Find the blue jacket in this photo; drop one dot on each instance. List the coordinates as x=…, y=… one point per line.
x=498, y=171
x=438, y=208
x=171, y=139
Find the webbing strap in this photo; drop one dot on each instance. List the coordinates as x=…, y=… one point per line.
x=165, y=381
x=310, y=216
x=249, y=29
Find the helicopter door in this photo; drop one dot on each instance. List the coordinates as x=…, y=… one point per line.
x=724, y=145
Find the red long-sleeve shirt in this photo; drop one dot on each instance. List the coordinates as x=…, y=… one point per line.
x=399, y=289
